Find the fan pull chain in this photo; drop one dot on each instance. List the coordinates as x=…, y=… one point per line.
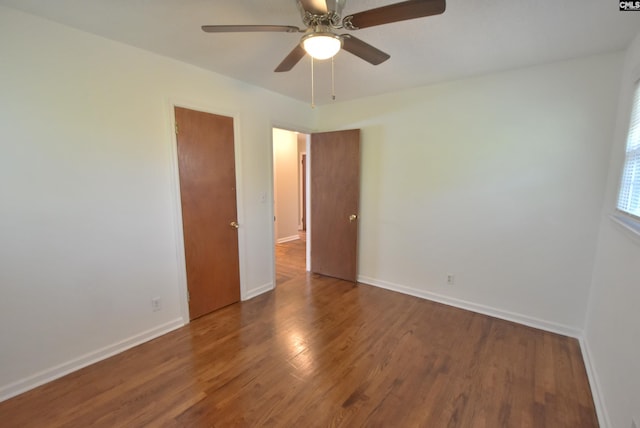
x=313, y=101
x=333, y=80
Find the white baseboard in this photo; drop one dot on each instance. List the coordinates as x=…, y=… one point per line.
x=596, y=391
x=288, y=239
x=258, y=291
x=47, y=375
x=475, y=307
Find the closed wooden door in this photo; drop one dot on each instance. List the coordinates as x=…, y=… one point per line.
x=335, y=194
x=206, y=163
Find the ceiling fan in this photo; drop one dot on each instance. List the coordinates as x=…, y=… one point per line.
x=322, y=19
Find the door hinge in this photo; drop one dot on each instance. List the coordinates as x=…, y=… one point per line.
x=176, y=128
x=188, y=296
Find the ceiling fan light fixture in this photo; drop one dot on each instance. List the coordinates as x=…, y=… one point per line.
x=322, y=45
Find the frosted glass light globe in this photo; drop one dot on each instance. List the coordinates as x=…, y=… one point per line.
x=322, y=45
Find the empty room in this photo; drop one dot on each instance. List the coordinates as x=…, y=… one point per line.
x=462, y=247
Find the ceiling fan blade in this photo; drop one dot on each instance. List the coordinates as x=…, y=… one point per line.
x=363, y=50
x=292, y=59
x=250, y=29
x=393, y=13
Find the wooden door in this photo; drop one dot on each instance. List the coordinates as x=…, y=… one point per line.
x=335, y=193
x=206, y=163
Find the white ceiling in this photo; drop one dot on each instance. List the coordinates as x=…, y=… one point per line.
x=472, y=37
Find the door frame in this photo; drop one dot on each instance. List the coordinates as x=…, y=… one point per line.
x=176, y=197
x=291, y=128
x=302, y=202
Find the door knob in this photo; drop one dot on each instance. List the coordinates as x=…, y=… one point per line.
x=352, y=218
x=234, y=224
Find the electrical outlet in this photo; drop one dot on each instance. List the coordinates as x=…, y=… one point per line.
x=155, y=304
x=451, y=279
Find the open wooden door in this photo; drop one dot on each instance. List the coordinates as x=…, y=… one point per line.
x=206, y=163
x=335, y=194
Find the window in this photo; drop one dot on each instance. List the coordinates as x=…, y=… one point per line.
x=629, y=196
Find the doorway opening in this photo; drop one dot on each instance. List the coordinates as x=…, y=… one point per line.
x=290, y=194
x=327, y=181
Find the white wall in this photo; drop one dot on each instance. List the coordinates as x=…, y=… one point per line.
x=612, y=326
x=88, y=194
x=498, y=180
x=286, y=184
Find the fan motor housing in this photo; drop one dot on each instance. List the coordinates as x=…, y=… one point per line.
x=321, y=12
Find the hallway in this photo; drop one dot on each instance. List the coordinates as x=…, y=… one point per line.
x=290, y=260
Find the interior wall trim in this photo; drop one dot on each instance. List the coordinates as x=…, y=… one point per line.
x=53, y=373
x=255, y=292
x=594, y=382
x=48, y=375
x=288, y=239
x=592, y=375
x=475, y=307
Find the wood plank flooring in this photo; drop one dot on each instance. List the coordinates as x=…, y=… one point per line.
x=290, y=260
x=322, y=352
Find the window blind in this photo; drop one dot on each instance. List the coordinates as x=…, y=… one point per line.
x=629, y=196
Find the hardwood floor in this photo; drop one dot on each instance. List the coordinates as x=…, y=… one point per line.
x=290, y=260
x=323, y=352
